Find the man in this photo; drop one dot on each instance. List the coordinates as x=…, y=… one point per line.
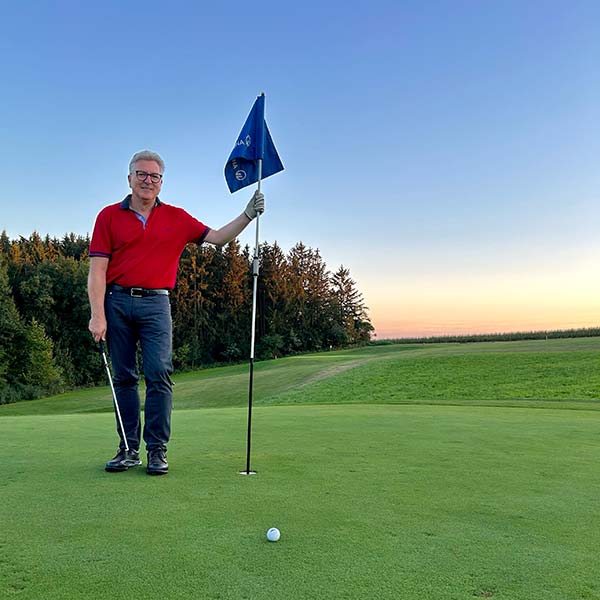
x=134, y=255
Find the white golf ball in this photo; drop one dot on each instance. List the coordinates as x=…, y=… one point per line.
x=273, y=534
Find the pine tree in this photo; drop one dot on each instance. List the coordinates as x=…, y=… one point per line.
x=353, y=325
x=297, y=258
x=12, y=336
x=236, y=303
x=8, y=320
x=74, y=246
x=272, y=301
x=39, y=369
x=318, y=301
x=5, y=243
x=193, y=309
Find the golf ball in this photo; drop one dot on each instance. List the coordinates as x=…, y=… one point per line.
x=273, y=534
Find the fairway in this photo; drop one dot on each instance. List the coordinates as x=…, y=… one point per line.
x=417, y=472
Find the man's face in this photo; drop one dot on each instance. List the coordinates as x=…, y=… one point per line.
x=145, y=189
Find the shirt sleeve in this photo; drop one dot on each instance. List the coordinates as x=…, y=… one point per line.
x=101, y=241
x=196, y=230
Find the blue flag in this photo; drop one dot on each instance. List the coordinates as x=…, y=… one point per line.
x=254, y=142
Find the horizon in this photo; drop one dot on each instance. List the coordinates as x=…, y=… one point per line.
x=493, y=334
x=400, y=330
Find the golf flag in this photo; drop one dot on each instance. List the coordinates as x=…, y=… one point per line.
x=253, y=143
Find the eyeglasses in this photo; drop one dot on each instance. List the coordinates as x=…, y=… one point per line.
x=142, y=176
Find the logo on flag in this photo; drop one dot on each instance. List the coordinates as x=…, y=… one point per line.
x=253, y=143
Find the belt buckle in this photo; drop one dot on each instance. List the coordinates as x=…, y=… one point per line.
x=136, y=292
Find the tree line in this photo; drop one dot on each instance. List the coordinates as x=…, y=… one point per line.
x=45, y=346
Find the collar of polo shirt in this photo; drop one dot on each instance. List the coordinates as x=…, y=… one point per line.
x=126, y=202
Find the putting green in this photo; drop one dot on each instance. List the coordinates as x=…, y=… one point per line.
x=417, y=502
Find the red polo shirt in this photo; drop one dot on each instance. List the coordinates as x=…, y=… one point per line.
x=144, y=254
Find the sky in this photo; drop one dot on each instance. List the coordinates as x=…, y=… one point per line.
x=445, y=152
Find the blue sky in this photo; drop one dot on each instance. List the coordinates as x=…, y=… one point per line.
x=446, y=152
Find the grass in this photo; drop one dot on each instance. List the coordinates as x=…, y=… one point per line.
x=538, y=372
x=521, y=379
x=467, y=483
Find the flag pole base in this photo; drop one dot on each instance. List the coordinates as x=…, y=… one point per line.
x=247, y=472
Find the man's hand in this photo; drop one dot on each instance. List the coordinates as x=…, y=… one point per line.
x=225, y=234
x=97, y=328
x=256, y=205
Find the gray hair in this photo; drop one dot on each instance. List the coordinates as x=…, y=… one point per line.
x=146, y=155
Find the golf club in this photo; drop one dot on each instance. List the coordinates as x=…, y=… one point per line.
x=112, y=387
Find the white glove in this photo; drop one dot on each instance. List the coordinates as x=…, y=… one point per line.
x=256, y=205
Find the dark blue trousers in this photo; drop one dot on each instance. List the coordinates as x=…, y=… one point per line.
x=147, y=321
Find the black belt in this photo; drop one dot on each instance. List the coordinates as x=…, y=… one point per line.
x=137, y=292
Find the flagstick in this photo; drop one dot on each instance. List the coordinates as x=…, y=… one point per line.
x=254, y=289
